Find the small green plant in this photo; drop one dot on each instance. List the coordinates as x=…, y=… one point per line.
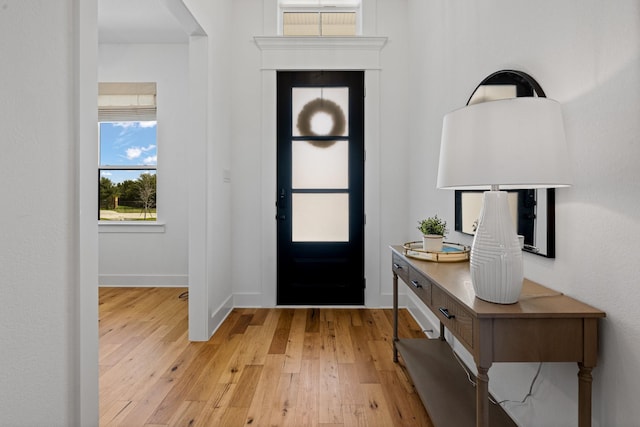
x=433, y=225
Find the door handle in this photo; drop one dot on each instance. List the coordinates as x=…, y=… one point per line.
x=281, y=205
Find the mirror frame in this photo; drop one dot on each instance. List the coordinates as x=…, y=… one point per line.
x=525, y=86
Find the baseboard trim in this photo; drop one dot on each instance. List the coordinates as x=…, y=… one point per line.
x=386, y=300
x=424, y=317
x=143, y=280
x=220, y=315
x=248, y=300
x=256, y=299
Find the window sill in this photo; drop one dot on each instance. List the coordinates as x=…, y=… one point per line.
x=130, y=227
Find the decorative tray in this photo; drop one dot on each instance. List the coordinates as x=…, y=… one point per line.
x=451, y=252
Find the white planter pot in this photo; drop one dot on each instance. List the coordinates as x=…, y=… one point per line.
x=432, y=242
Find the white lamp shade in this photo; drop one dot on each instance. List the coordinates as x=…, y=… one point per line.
x=513, y=143
x=508, y=143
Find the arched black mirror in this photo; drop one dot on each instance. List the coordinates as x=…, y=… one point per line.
x=532, y=210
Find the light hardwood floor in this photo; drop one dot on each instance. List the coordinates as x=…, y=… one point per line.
x=263, y=367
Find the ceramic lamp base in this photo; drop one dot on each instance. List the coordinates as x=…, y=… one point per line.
x=496, y=256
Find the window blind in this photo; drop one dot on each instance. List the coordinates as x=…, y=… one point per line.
x=126, y=102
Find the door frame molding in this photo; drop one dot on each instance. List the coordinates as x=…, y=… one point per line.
x=293, y=53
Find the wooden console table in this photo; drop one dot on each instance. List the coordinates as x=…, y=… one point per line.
x=543, y=326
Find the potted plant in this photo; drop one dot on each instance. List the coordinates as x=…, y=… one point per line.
x=433, y=230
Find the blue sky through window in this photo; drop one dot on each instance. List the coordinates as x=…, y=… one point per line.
x=127, y=144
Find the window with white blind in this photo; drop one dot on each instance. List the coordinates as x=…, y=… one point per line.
x=128, y=151
x=320, y=18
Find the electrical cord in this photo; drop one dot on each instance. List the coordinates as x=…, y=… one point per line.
x=466, y=370
x=529, y=394
x=519, y=402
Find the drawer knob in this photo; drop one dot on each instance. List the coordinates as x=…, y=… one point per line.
x=416, y=284
x=397, y=266
x=445, y=313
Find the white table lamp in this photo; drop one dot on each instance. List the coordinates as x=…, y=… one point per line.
x=506, y=144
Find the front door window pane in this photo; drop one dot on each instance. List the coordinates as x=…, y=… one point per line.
x=320, y=111
x=320, y=164
x=320, y=217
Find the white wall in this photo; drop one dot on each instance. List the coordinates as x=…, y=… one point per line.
x=40, y=354
x=246, y=150
x=395, y=147
x=128, y=258
x=585, y=54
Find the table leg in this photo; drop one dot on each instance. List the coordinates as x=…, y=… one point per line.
x=395, y=317
x=584, y=395
x=482, y=397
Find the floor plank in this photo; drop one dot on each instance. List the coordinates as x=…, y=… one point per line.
x=307, y=367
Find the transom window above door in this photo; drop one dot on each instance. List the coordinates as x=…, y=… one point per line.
x=319, y=17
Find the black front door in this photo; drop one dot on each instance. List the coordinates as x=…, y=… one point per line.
x=320, y=195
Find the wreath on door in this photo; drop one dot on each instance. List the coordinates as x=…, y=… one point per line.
x=320, y=105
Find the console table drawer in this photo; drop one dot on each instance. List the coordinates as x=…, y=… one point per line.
x=400, y=267
x=453, y=316
x=420, y=285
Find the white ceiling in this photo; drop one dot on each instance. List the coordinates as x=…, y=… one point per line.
x=138, y=21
